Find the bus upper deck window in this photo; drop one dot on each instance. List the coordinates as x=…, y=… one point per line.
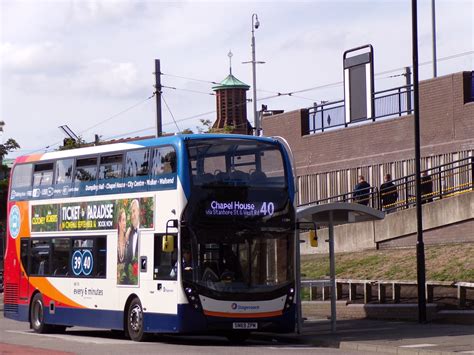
x=43, y=174
x=110, y=167
x=64, y=171
x=86, y=169
x=136, y=163
x=164, y=161
x=22, y=175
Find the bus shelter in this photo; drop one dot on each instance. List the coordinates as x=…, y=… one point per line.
x=332, y=214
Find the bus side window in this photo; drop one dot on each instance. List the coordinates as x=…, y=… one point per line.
x=24, y=251
x=22, y=175
x=136, y=163
x=60, y=256
x=64, y=171
x=43, y=174
x=164, y=264
x=110, y=167
x=164, y=161
x=101, y=255
x=40, y=253
x=86, y=169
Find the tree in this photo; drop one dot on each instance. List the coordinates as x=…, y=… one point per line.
x=206, y=126
x=70, y=143
x=9, y=146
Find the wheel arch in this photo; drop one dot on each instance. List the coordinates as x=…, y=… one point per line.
x=125, y=309
x=30, y=303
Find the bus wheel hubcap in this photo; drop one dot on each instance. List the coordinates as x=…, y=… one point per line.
x=38, y=314
x=136, y=318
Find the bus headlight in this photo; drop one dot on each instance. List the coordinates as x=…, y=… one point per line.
x=193, y=298
x=290, y=296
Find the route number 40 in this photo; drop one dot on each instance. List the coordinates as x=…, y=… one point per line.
x=267, y=209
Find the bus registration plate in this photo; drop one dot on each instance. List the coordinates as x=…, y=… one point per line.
x=245, y=325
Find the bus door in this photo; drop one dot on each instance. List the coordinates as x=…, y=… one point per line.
x=165, y=272
x=23, y=269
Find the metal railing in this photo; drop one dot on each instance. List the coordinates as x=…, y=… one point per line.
x=440, y=182
x=387, y=103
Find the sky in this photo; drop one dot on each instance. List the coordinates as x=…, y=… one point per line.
x=90, y=64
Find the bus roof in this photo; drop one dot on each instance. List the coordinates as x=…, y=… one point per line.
x=116, y=147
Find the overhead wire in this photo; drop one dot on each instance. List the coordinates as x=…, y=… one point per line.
x=171, y=113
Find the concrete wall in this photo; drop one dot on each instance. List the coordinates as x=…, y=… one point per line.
x=450, y=220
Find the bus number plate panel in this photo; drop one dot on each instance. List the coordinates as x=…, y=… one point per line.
x=245, y=325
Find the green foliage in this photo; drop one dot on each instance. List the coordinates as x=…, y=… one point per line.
x=72, y=144
x=206, y=126
x=9, y=146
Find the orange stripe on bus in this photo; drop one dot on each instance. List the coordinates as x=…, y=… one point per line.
x=33, y=157
x=243, y=315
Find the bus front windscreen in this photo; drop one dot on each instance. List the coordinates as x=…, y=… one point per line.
x=239, y=218
x=226, y=261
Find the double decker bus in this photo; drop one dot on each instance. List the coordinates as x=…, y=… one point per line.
x=180, y=234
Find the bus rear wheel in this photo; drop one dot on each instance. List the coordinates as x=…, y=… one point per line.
x=37, y=315
x=135, y=321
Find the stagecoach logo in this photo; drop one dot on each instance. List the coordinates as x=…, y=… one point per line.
x=14, y=221
x=244, y=308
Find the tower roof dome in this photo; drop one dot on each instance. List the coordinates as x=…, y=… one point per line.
x=231, y=82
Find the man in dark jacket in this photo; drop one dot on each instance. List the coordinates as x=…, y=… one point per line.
x=426, y=188
x=388, y=193
x=362, y=192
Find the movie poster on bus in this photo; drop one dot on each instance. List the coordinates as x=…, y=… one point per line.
x=45, y=218
x=90, y=215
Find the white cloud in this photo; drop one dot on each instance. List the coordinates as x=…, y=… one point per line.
x=104, y=77
x=34, y=57
x=86, y=11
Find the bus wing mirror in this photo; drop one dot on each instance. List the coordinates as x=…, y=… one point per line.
x=167, y=243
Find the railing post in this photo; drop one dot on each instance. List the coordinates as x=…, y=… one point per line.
x=379, y=199
x=407, y=195
x=440, y=184
x=472, y=164
x=399, y=102
x=322, y=118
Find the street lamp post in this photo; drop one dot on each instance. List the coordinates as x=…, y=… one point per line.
x=256, y=122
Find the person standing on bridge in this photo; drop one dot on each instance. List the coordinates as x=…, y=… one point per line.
x=362, y=192
x=388, y=194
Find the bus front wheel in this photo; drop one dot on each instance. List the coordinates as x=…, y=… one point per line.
x=135, y=321
x=37, y=315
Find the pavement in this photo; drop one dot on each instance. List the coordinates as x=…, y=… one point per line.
x=389, y=337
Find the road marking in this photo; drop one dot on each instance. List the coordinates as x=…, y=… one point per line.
x=467, y=352
x=417, y=345
x=76, y=338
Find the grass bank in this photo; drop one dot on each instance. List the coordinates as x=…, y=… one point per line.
x=443, y=263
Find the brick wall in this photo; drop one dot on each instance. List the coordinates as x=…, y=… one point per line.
x=447, y=125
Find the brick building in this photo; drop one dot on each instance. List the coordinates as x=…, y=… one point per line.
x=328, y=163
